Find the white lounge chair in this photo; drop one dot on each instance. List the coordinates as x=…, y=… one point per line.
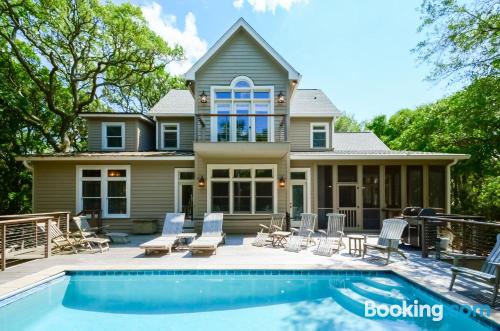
x=302, y=236
x=263, y=236
x=388, y=240
x=174, y=222
x=331, y=239
x=211, y=236
x=489, y=274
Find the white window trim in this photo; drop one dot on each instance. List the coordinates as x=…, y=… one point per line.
x=104, y=135
x=178, y=182
x=163, y=125
x=232, y=109
x=252, y=179
x=326, y=130
x=104, y=187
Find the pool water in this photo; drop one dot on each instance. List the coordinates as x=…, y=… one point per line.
x=223, y=300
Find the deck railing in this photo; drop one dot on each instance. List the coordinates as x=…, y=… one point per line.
x=22, y=239
x=240, y=128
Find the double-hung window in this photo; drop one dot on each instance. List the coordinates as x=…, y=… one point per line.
x=170, y=135
x=105, y=188
x=240, y=189
x=113, y=135
x=319, y=135
x=242, y=112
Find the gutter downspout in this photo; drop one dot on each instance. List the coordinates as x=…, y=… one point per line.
x=27, y=165
x=448, y=185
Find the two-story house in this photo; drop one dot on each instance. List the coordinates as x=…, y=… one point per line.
x=242, y=139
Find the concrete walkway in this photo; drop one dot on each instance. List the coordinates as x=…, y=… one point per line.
x=238, y=253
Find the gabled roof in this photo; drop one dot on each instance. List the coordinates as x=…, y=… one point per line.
x=312, y=103
x=241, y=24
x=358, y=141
x=174, y=103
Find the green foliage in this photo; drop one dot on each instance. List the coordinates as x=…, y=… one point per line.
x=347, y=123
x=462, y=38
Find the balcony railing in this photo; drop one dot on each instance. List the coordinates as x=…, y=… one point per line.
x=241, y=128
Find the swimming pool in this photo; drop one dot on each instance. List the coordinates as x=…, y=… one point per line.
x=225, y=300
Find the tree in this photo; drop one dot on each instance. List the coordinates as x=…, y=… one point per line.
x=347, y=123
x=462, y=38
x=82, y=56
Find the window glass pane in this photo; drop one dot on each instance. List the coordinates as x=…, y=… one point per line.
x=261, y=95
x=91, y=173
x=264, y=173
x=414, y=186
x=261, y=122
x=220, y=173
x=117, y=189
x=298, y=175
x=348, y=174
x=242, y=122
x=223, y=95
x=319, y=139
x=242, y=83
x=371, y=187
x=117, y=173
x=186, y=175
x=242, y=173
x=114, y=141
x=114, y=130
x=393, y=186
x=170, y=127
x=347, y=196
x=319, y=127
x=91, y=203
x=220, y=197
x=437, y=183
x=242, y=95
x=263, y=197
x=223, y=123
x=170, y=139
x=242, y=197
x=91, y=189
x=117, y=206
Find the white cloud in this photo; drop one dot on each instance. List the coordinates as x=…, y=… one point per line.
x=269, y=5
x=166, y=27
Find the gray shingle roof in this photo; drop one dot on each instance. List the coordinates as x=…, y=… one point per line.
x=312, y=102
x=358, y=141
x=175, y=102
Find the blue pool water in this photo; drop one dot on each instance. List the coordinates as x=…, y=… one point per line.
x=223, y=300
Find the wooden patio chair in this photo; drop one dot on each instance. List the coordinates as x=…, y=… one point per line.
x=489, y=273
x=302, y=236
x=84, y=227
x=331, y=239
x=388, y=240
x=264, y=235
x=62, y=241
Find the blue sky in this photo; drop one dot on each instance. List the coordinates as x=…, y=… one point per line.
x=357, y=51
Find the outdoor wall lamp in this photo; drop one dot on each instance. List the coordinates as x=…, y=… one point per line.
x=201, y=182
x=282, y=182
x=203, y=97
x=281, y=97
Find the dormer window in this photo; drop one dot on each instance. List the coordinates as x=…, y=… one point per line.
x=113, y=136
x=319, y=135
x=170, y=135
x=242, y=112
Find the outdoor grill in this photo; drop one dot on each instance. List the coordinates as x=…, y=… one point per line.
x=413, y=233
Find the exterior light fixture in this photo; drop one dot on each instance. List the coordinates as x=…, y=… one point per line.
x=201, y=182
x=282, y=182
x=203, y=97
x=281, y=97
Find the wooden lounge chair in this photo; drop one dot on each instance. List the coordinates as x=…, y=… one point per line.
x=211, y=236
x=62, y=241
x=388, y=240
x=84, y=228
x=263, y=236
x=489, y=274
x=331, y=239
x=302, y=236
x=174, y=222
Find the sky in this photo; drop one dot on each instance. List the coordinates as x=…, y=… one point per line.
x=358, y=51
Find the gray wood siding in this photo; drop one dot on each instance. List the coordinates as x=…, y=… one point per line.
x=300, y=132
x=186, y=127
x=242, y=56
x=138, y=134
x=145, y=134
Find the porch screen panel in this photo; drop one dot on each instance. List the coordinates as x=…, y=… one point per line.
x=371, y=197
x=437, y=190
x=414, y=186
x=325, y=194
x=393, y=186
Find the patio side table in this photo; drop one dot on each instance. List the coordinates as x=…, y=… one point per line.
x=279, y=238
x=185, y=239
x=356, y=248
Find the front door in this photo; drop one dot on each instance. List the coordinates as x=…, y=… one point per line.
x=184, y=192
x=299, y=202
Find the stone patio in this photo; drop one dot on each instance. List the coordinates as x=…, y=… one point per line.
x=238, y=253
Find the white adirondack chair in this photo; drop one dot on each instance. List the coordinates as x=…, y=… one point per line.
x=388, y=240
x=331, y=239
x=302, y=236
x=263, y=236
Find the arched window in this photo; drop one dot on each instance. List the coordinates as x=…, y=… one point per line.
x=242, y=82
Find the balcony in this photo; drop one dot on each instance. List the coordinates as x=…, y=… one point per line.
x=219, y=135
